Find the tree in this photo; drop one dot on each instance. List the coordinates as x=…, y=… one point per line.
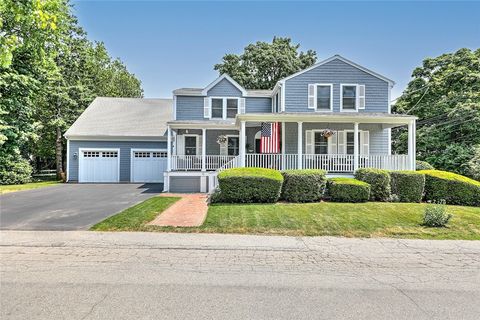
x=445, y=95
x=262, y=64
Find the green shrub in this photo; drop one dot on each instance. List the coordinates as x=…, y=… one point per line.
x=436, y=215
x=408, y=186
x=240, y=185
x=303, y=185
x=423, y=165
x=348, y=190
x=379, y=181
x=15, y=172
x=451, y=187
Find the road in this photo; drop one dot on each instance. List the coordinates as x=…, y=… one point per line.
x=87, y=275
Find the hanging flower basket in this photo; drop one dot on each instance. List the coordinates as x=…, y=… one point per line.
x=222, y=139
x=327, y=133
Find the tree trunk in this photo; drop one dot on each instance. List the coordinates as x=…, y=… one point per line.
x=59, y=155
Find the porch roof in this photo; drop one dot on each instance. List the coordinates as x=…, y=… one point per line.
x=201, y=124
x=391, y=120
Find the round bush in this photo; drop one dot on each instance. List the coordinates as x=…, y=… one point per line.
x=348, y=190
x=451, y=187
x=407, y=185
x=303, y=185
x=15, y=172
x=242, y=185
x=423, y=165
x=379, y=181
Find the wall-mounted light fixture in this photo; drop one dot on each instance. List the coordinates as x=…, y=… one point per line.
x=75, y=156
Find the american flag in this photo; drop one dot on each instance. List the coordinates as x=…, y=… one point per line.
x=270, y=138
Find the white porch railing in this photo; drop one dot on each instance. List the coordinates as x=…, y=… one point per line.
x=186, y=163
x=329, y=162
x=272, y=161
x=388, y=162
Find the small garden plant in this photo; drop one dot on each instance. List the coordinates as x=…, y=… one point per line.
x=436, y=215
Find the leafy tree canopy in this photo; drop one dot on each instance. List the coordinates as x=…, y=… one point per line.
x=445, y=94
x=262, y=64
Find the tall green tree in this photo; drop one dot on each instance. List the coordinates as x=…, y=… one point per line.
x=445, y=94
x=262, y=64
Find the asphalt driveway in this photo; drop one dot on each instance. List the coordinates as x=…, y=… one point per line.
x=69, y=206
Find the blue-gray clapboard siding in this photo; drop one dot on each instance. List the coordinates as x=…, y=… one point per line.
x=224, y=89
x=378, y=143
x=336, y=72
x=191, y=108
x=125, y=154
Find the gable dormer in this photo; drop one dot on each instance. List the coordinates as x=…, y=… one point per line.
x=224, y=99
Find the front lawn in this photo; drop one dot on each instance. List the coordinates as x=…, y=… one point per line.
x=372, y=219
x=26, y=186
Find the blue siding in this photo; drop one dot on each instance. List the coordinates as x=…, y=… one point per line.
x=189, y=108
x=336, y=72
x=258, y=105
x=224, y=89
x=378, y=135
x=125, y=154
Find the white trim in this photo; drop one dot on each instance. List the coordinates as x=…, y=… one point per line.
x=227, y=77
x=338, y=57
x=389, y=99
x=389, y=139
x=224, y=107
x=356, y=96
x=133, y=150
x=68, y=160
x=282, y=97
x=80, y=159
x=174, y=107
x=242, y=140
x=331, y=96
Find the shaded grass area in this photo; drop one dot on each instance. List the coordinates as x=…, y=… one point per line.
x=135, y=218
x=26, y=186
x=371, y=219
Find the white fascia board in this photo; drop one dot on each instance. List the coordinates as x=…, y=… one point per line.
x=114, y=138
x=353, y=64
x=227, y=77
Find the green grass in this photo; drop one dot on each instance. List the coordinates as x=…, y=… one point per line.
x=371, y=219
x=135, y=218
x=26, y=186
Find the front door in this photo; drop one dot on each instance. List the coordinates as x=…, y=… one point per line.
x=190, y=145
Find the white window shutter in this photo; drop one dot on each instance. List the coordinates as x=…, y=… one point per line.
x=341, y=142
x=332, y=144
x=180, y=145
x=309, y=142
x=311, y=96
x=361, y=96
x=207, y=110
x=199, y=145
x=364, y=143
x=241, y=106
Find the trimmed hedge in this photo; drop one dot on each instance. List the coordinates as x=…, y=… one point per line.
x=241, y=185
x=407, y=185
x=379, y=181
x=423, y=165
x=451, y=187
x=303, y=185
x=348, y=190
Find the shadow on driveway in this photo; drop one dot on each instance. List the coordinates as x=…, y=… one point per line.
x=70, y=206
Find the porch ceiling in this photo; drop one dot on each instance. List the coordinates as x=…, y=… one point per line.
x=386, y=119
x=203, y=124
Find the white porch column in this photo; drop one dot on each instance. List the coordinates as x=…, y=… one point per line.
x=283, y=146
x=411, y=144
x=242, y=143
x=299, y=145
x=204, y=149
x=355, y=146
x=169, y=148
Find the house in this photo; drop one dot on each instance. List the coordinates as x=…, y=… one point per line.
x=341, y=110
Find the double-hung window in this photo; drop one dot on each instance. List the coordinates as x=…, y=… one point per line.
x=232, y=108
x=349, y=97
x=224, y=108
x=217, y=108
x=324, y=97
x=321, y=144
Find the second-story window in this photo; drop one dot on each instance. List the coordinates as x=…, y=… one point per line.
x=217, y=108
x=349, y=97
x=324, y=97
x=232, y=108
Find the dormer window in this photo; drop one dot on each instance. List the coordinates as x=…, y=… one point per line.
x=232, y=108
x=349, y=97
x=320, y=96
x=217, y=108
x=223, y=108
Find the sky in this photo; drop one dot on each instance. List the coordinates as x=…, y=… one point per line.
x=169, y=45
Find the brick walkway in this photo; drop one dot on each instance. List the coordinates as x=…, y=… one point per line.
x=189, y=211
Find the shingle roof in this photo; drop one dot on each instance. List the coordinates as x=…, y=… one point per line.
x=123, y=117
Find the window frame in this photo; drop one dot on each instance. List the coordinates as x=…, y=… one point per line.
x=316, y=85
x=224, y=107
x=356, y=97
x=315, y=132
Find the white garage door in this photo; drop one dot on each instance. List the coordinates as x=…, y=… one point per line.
x=148, y=165
x=99, y=165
